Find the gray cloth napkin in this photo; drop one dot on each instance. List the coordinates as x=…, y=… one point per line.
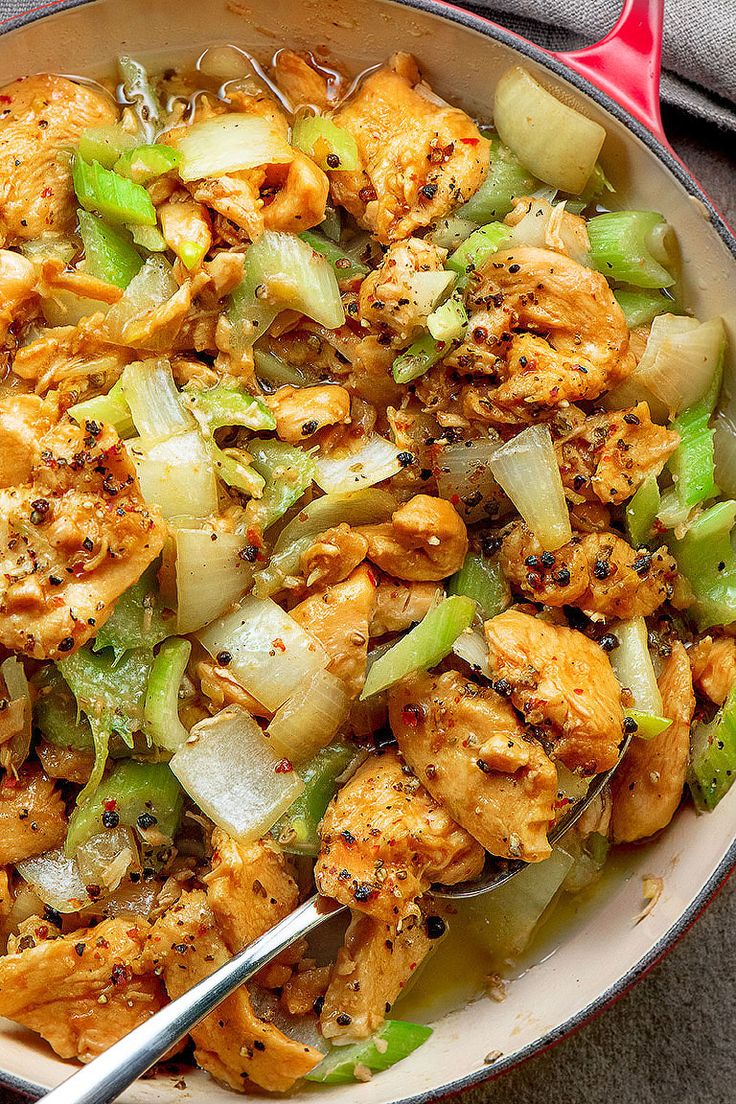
x=699, y=42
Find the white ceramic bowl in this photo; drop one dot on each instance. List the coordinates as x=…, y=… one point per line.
x=602, y=952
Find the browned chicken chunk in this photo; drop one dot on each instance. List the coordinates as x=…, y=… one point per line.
x=301, y=411
x=562, y=682
x=73, y=537
x=393, y=297
x=299, y=77
x=72, y=358
x=22, y=420
x=426, y=540
x=400, y=605
x=471, y=751
x=83, y=991
x=713, y=662
x=334, y=555
x=41, y=118
x=648, y=785
x=385, y=840
x=32, y=816
x=598, y=572
x=420, y=159
x=372, y=967
x=610, y=455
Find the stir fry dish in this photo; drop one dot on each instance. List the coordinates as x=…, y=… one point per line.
x=364, y=492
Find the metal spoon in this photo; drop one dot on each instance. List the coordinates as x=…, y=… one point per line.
x=104, y=1079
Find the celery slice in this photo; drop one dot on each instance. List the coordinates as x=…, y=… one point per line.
x=713, y=757
x=297, y=831
x=693, y=462
x=142, y=795
x=161, y=707
x=421, y=355
x=345, y=266
x=276, y=371
x=398, y=1039
x=287, y=273
x=137, y=620
x=706, y=558
x=449, y=321
x=642, y=305
x=507, y=178
x=111, y=409
x=648, y=725
x=55, y=712
x=477, y=248
x=138, y=91
x=642, y=510
x=109, y=251
x=482, y=579
x=234, y=469
x=622, y=244
x=331, y=146
x=105, y=144
x=145, y=163
x=229, y=405
x=287, y=470
x=149, y=238
x=155, y=403
x=112, y=196
x=424, y=646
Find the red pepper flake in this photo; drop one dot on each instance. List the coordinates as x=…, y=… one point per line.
x=42, y=932
x=47, y=192
x=110, y=804
x=455, y=499
x=6, y=99
x=578, y=690
x=470, y=141
x=254, y=537
x=279, y=644
x=411, y=715
x=284, y=766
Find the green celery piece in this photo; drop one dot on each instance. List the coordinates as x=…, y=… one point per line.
x=476, y=249
x=424, y=646
x=705, y=556
x=228, y=405
x=507, y=178
x=693, y=462
x=619, y=248
x=105, y=144
x=55, y=712
x=331, y=225
x=248, y=315
x=642, y=305
x=161, y=708
x=112, y=196
x=235, y=472
x=345, y=266
x=137, y=620
x=288, y=472
x=108, y=250
x=111, y=409
x=482, y=579
x=713, y=757
x=421, y=355
x=449, y=321
x=332, y=147
x=276, y=371
x=298, y=829
x=136, y=789
x=647, y=724
x=642, y=510
x=400, y=1039
x=149, y=238
x=138, y=91
x=145, y=163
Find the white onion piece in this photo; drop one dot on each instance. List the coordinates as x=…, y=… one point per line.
x=149, y=390
x=451, y=232
x=176, y=474
x=104, y=859
x=725, y=452
x=63, y=308
x=366, y=507
x=56, y=880
x=375, y=461
x=309, y=720
x=271, y=653
x=231, y=143
x=224, y=63
x=211, y=576
x=548, y=226
x=526, y=467
x=426, y=289
x=471, y=647
x=148, y=289
x=229, y=768
x=551, y=139
x=464, y=476
x=632, y=665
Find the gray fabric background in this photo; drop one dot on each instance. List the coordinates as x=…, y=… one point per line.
x=672, y=1039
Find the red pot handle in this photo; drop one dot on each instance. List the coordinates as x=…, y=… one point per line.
x=626, y=64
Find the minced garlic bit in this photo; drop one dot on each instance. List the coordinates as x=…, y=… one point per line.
x=652, y=888
x=492, y=1056
x=381, y=1045
x=495, y=987
x=362, y=1073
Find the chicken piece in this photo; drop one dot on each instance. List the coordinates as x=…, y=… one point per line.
x=559, y=230
x=425, y=541
x=68, y=764
x=574, y=343
x=385, y=840
x=598, y=572
x=399, y=606
x=84, y=991
x=610, y=455
x=186, y=228
x=648, y=785
x=73, y=537
x=42, y=116
x=421, y=158
x=392, y=297
x=471, y=751
x=232, y=1043
x=249, y=888
x=303, y=989
x=481, y=350
x=300, y=79
x=18, y=292
x=713, y=662
x=22, y=419
x=236, y=197
x=72, y=358
x=57, y=276
x=373, y=965
x=339, y=617
x=32, y=816
x=301, y=411
x=300, y=199
x=334, y=555
x=563, y=683
x=157, y=329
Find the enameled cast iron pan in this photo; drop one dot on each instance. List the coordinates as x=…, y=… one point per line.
x=602, y=951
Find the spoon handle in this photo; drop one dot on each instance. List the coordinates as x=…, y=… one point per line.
x=113, y=1071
